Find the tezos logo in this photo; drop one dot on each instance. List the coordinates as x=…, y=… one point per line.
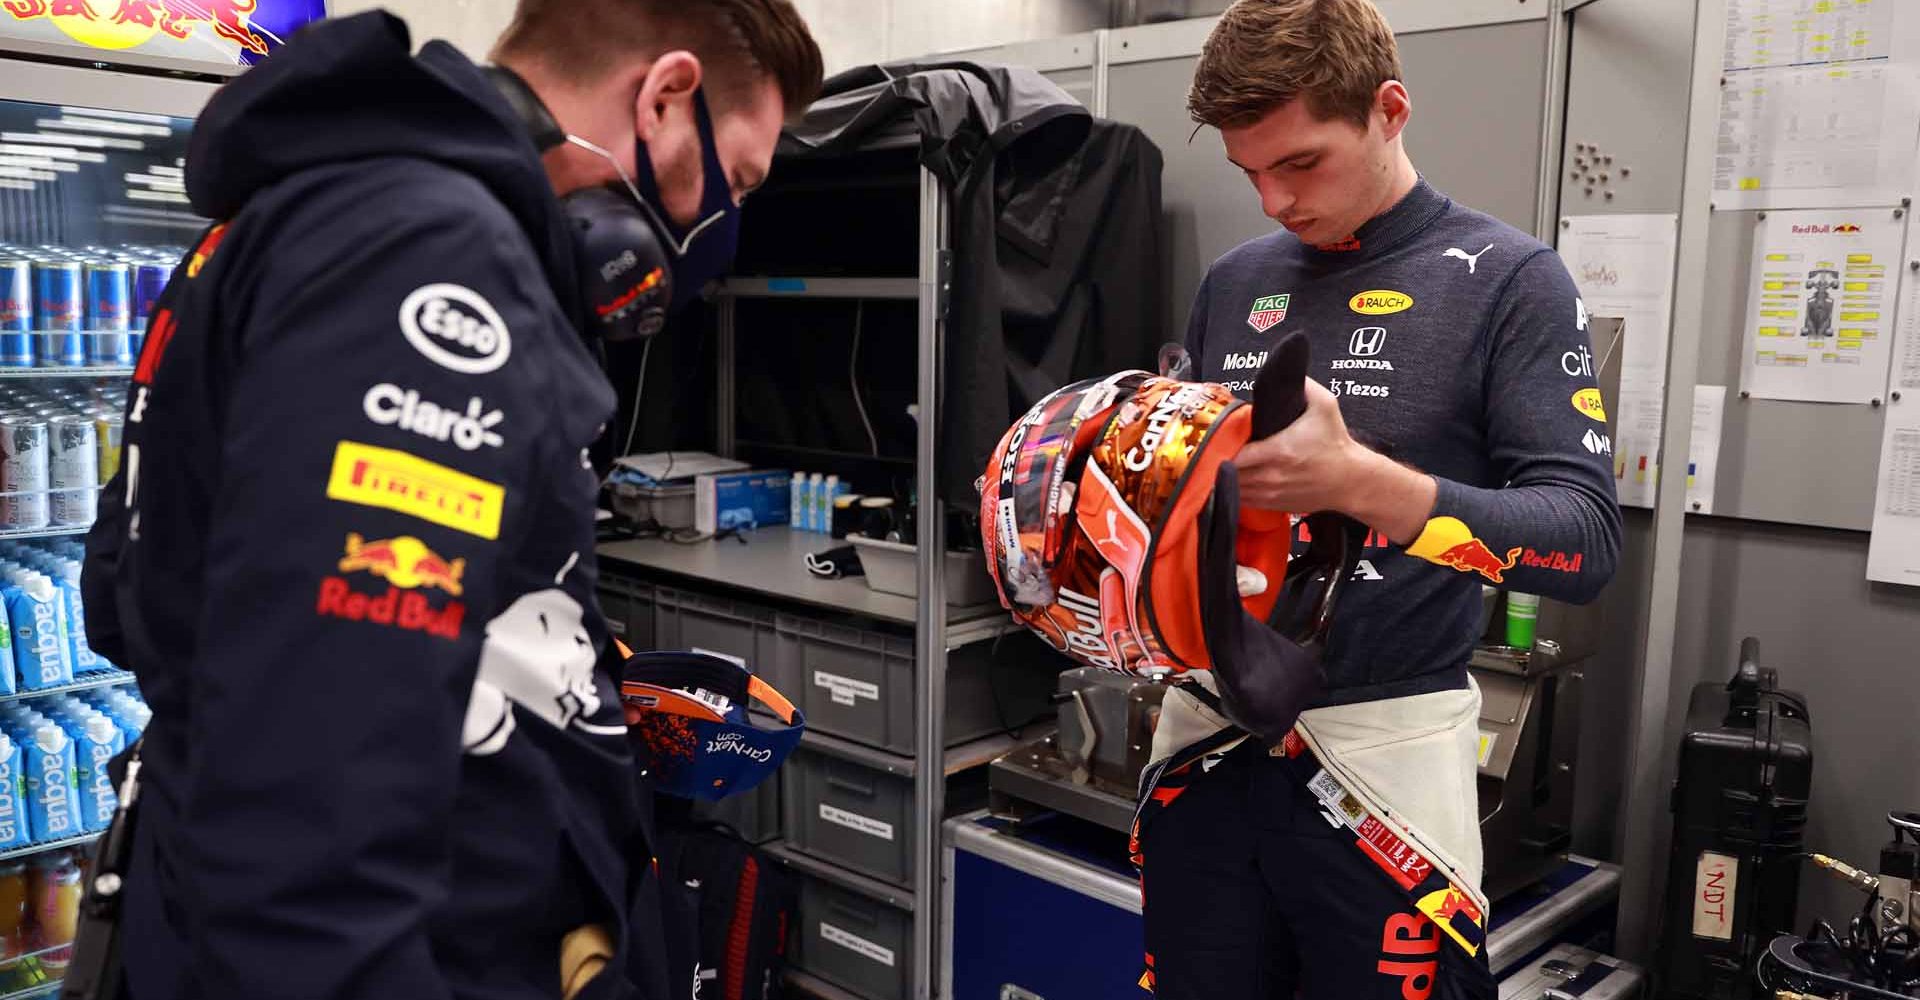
x=389, y=405
x=455, y=328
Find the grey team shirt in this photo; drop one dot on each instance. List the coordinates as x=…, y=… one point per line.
x=1458, y=345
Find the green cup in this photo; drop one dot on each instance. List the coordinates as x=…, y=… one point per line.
x=1523, y=614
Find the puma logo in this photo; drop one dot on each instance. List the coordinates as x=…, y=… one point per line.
x=1113, y=532
x=1473, y=260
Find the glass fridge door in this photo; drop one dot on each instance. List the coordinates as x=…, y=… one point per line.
x=93, y=218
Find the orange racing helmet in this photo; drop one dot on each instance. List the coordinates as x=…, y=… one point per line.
x=1111, y=518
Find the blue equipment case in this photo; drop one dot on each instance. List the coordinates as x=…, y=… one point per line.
x=1050, y=910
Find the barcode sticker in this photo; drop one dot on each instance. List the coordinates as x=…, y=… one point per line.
x=1326, y=788
x=720, y=703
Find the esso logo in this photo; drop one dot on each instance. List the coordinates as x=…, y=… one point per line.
x=455, y=328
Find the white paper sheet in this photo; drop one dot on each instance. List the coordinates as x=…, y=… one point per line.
x=1893, y=555
x=1709, y=409
x=1820, y=306
x=1906, y=339
x=1819, y=104
x=1636, y=446
x=1623, y=265
x=1764, y=33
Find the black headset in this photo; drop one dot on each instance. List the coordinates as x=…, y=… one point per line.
x=625, y=272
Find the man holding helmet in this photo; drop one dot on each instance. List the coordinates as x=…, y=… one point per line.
x=349, y=553
x=1345, y=860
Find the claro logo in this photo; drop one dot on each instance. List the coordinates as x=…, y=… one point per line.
x=455, y=328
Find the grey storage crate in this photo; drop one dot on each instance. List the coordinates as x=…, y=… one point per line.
x=628, y=606
x=853, y=941
x=740, y=629
x=851, y=806
x=858, y=683
x=754, y=815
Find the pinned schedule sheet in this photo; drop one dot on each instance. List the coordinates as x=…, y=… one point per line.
x=1820, y=308
x=1820, y=105
x=1893, y=554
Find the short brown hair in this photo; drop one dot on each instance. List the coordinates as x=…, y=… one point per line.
x=738, y=42
x=1264, y=53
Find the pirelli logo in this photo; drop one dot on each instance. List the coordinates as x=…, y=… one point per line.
x=397, y=481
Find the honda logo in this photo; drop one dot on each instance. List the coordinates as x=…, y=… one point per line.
x=1367, y=341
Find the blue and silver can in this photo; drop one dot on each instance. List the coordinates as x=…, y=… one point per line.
x=109, y=314
x=16, y=312
x=58, y=306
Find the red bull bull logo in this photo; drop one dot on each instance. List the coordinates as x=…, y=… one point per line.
x=126, y=24
x=1447, y=541
x=405, y=562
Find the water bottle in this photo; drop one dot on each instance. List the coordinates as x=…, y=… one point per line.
x=797, y=501
x=40, y=652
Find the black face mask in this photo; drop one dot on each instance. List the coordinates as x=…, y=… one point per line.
x=636, y=267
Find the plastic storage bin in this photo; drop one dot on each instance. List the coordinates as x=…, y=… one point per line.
x=892, y=568
x=669, y=506
x=853, y=941
x=851, y=806
x=739, y=629
x=858, y=683
x=628, y=606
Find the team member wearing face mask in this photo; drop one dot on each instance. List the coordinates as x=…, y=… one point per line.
x=349, y=553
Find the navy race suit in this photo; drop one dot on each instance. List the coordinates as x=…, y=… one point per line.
x=350, y=556
x=1458, y=345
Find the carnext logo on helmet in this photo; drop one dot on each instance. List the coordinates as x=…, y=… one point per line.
x=1141, y=455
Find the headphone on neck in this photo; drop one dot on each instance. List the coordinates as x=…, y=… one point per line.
x=625, y=269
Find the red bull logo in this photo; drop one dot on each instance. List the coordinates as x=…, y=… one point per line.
x=646, y=284
x=1447, y=541
x=126, y=24
x=1846, y=227
x=405, y=562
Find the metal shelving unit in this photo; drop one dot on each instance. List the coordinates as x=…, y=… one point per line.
x=769, y=564
x=44, y=846
x=85, y=372
x=104, y=679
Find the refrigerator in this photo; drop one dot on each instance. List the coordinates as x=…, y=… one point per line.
x=97, y=105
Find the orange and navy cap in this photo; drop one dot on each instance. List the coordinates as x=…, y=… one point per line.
x=689, y=724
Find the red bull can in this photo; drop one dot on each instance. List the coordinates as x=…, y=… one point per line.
x=58, y=308
x=23, y=472
x=109, y=314
x=73, y=470
x=149, y=280
x=16, y=312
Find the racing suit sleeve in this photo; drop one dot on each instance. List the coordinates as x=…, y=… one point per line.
x=353, y=557
x=1554, y=527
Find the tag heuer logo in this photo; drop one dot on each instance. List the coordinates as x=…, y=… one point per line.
x=1268, y=311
